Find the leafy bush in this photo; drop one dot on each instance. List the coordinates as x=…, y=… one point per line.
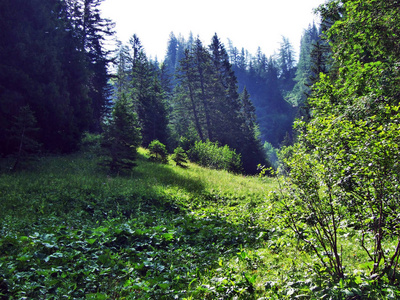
x=158, y=152
x=211, y=155
x=180, y=157
x=344, y=169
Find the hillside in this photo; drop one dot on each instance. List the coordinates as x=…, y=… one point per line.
x=70, y=230
x=162, y=232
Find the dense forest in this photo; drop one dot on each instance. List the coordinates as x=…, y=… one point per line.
x=122, y=177
x=59, y=82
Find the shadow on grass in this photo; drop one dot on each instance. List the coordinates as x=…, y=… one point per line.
x=169, y=250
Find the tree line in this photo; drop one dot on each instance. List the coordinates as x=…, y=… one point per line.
x=53, y=72
x=56, y=84
x=199, y=101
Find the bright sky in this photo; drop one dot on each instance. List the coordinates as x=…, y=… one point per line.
x=249, y=24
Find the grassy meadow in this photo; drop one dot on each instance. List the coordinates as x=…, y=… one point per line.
x=70, y=231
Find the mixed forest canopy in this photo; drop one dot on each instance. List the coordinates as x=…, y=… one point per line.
x=58, y=81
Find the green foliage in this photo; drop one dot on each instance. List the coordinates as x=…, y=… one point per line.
x=206, y=104
x=271, y=154
x=52, y=60
x=268, y=81
x=344, y=169
x=121, y=137
x=213, y=156
x=69, y=230
x=180, y=157
x=139, y=80
x=23, y=135
x=158, y=152
x=91, y=143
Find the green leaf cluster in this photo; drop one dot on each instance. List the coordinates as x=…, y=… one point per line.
x=344, y=170
x=158, y=152
x=211, y=155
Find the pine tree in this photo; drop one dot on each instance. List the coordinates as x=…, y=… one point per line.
x=204, y=74
x=188, y=92
x=208, y=94
x=180, y=157
x=92, y=31
x=121, y=137
x=145, y=92
x=287, y=68
x=42, y=67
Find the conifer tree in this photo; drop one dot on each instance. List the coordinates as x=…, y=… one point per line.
x=92, y=31
x=189, y=100
x=208, y=94
x=287, y=66
x=121, y=137
x=146, y=94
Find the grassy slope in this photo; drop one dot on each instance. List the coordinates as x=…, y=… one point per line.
x=161, y=232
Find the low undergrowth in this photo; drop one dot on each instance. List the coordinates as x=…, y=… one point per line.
x=160, y=232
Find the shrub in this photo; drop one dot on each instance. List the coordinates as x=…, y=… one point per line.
x=158, y=152
x=180, y=157
x=211, y=155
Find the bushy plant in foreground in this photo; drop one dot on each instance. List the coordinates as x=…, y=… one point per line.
x=344, y=170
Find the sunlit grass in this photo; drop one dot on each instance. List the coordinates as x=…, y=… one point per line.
x=212, y=233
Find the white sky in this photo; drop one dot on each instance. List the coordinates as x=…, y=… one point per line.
x=248, y=24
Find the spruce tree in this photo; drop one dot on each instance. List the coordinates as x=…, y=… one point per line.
x=121, y=137
x=287, y=68
x=139, y=79
x=92, y=31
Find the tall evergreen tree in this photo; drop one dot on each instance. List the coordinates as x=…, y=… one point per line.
x=287, y=66
x=188, y=88
x=139, y=79
x=92, y=31
x=208, y=94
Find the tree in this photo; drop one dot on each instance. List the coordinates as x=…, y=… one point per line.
x=121, y=137
x=314, y=59
x=209, y=98
x=344, y=169
x=40, y=69
x=92, y=31
x=139, y=79
x=286, y=62
x=158, y=152
x=180, y=157
x=190, y=101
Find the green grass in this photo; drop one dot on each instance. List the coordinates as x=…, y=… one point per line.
x=160, y=232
